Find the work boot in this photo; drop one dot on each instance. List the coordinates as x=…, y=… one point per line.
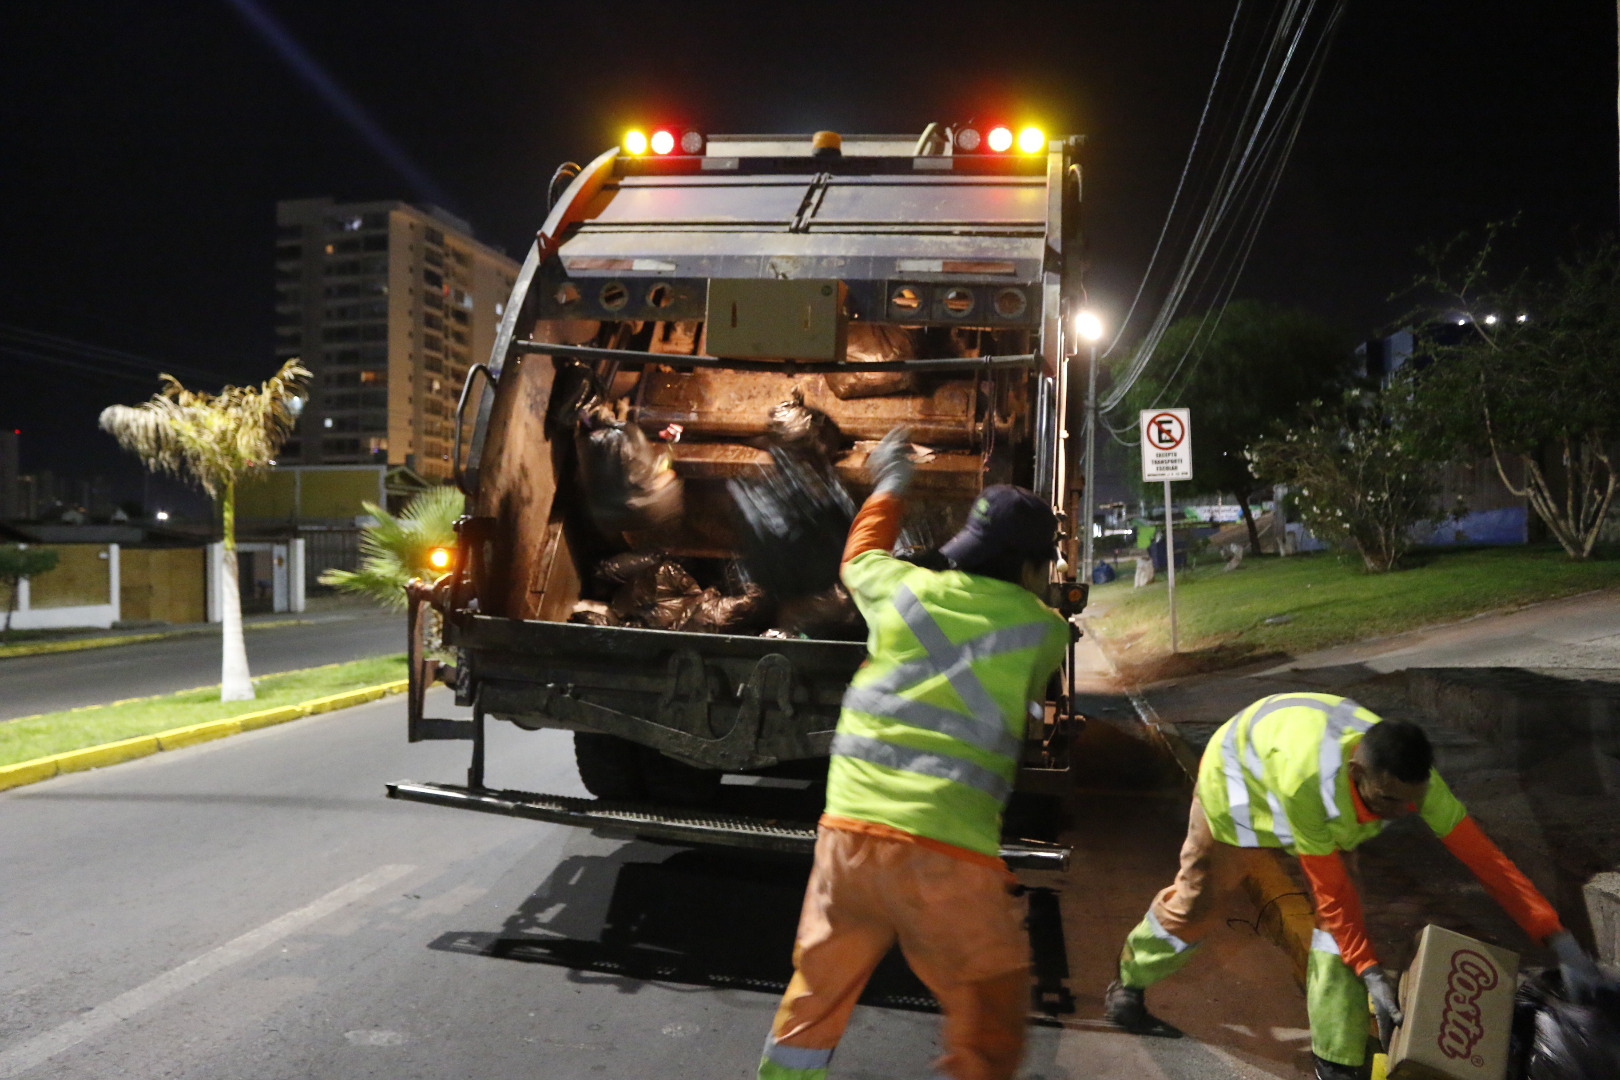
x=1126, y=1007
x=1332, y=1070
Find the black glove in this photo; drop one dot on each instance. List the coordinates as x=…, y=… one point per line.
x=1580, y=971
x=1386, y=1005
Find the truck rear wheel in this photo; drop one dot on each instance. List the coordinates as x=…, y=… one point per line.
x=677, y=783
x=609, y=767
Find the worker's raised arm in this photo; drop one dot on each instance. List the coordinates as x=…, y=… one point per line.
x=877, y=526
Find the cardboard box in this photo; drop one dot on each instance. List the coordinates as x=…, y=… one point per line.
x=1458, y=1000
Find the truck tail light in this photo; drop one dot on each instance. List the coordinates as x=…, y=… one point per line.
x=662, y=142
x=635, y=143
x=692, y=142
x=968, y=139
x=1000, y=139
x=440, y=558
x=1031, y=139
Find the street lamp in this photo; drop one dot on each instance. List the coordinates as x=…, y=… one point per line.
x=1090, y=330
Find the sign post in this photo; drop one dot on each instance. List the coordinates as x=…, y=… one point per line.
x=1167, y=456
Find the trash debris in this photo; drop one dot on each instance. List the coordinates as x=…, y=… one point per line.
x=869, y=342
x=795, y=519
x=829, y=615
x=630, y=482
x=1555, y=1038
x=802, y=429
x=592, y=613
x=654, y=591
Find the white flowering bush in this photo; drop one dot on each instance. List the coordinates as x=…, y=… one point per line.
x=1359, y=480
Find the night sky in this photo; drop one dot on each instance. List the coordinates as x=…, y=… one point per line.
x=145, y=145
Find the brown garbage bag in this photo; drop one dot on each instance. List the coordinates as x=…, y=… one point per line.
x=591, y=613
x=803, y=429
x=630, y=482
x=717, y=613
x=868, y=342
x=830, y=615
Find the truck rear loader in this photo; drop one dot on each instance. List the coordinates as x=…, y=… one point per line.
x=682, y=298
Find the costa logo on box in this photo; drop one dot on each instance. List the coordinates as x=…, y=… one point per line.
x=1460, y=1028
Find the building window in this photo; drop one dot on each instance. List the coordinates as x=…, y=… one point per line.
x=433, y=278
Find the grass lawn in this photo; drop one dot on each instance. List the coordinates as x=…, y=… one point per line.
x=1314, y=601
x=30, y=737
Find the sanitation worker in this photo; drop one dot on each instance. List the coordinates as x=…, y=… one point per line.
x=1315, y=775
x=923, y=761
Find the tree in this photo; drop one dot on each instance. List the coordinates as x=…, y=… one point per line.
x=1529, y=375
x=1360, y=480
x=1240, y=370
x=215, y=441
x=18, y=561
x=393, y=550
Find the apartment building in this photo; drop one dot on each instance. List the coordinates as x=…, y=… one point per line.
x=388, y=305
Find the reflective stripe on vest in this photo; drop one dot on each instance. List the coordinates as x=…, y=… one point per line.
x=1239, y=769
x=983, y=727
x=928, y=763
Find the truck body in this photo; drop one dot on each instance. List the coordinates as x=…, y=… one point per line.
x=689, y=295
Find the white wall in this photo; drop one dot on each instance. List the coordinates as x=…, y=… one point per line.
x=97, y=616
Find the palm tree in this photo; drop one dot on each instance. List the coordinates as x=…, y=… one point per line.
x=215, y=440
x=394, y=550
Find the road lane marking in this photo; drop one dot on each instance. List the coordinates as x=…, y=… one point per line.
x=24, y=1056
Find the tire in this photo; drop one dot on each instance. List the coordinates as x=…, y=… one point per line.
x=609, y=767
x=677, y=783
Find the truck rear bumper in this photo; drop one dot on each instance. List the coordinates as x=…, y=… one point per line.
x=675, y=827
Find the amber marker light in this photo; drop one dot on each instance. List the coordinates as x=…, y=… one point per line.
x=635, y=142
x=1000, y=139
x=439, y=558
x=663, y=142
x=1031, y=139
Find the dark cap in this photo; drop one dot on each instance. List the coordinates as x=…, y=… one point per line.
x=1005, y=520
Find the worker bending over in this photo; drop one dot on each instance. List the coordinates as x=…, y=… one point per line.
x=923, y=761
x=1315, y=775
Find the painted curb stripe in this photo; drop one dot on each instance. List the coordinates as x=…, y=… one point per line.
x=95, y=757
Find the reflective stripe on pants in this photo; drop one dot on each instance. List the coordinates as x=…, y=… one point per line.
x=1181, y=915
x=1336, y=1000
x=1185, y=911
x=958, y=926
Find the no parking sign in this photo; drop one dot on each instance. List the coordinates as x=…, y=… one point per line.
x=1166, y=444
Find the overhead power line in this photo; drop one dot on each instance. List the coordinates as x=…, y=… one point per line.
x=1258, y=132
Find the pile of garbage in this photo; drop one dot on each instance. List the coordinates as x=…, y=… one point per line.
x=793, y=519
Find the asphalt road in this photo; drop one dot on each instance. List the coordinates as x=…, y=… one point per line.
x=255, y=908
x=67, y=680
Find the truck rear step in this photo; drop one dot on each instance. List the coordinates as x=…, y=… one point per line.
x=648, y=823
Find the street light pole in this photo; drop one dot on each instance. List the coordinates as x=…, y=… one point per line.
x=1088, y=514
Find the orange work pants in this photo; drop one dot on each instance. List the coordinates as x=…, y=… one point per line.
x=958, y=926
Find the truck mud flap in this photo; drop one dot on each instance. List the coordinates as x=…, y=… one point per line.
x=651, y=823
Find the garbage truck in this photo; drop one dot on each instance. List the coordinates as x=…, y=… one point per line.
x=687, y=296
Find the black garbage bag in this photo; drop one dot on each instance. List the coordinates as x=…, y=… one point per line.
x=795, y=517
x=829, y=615
x=629, y=481
x=1555, y=1038
x=802, y=429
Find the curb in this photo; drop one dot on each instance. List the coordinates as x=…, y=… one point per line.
x=95, y=757
x=110, y=640
x=1286, y=918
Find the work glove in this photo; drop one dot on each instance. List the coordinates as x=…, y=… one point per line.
x=889, y=466
x=1580, y=971
x=1386, y=1005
